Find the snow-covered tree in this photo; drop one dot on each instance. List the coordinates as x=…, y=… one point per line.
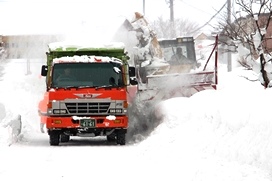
x=251, y=30
x=182, y=27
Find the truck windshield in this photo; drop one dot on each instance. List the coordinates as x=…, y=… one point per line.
x=87, y=75
x=168, y=52
x=171, y=52
x=182, y=50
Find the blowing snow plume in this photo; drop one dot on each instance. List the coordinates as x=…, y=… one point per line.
x=128, y=36
x=143, y=119
x=165, y=86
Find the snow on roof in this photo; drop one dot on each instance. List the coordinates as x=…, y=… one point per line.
x=85, y=59
x=79, y=45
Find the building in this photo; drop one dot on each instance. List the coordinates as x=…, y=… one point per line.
x=244, y=28
x=28, y=46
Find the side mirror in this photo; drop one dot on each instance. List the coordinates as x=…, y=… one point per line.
x=131, y=71
x=133, y=81
x=44, y=70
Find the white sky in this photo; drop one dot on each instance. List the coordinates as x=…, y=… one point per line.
x=223, y=134
x=60, y=16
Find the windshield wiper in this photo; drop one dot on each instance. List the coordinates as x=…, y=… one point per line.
x=65, y=87
x=104, y=86
x=85, y=86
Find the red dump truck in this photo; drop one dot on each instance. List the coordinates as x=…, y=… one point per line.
x=93, y=99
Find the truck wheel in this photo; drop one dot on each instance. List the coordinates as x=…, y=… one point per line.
x=111, y=137
x=54, y=138
x=121, y=138
x=64, y=138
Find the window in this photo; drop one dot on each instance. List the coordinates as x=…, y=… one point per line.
x=88, y=74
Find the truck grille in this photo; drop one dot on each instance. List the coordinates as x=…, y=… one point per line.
x=88, y=108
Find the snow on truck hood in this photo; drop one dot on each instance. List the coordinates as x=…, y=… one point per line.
x=85, y=45
x=64, y=45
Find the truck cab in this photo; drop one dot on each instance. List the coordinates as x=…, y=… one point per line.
x=187, y=46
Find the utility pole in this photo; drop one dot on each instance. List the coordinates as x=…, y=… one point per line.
x=229, y=41
x=172, y=23
x=171, y=10
x=144, y=7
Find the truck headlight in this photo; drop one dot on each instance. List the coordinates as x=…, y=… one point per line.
x=116, y=110
x=59, y=111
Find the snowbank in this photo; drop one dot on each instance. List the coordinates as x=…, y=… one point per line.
x=10, y=126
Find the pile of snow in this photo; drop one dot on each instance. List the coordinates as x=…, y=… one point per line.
x=222, y=134
x=86, y=59
x=82, y=45
x=10, y=126
x=20, y=92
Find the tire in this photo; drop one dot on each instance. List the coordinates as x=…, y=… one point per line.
x=64, y=138
x=121, y=138
x=111, y=137
x=54, y=138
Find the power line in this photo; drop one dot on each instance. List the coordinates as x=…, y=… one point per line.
x=211, y=18
x=194, y=7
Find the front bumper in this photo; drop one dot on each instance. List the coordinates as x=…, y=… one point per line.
x=99, y=122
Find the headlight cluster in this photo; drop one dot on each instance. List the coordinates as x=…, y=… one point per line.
x=116, y=110
x=59, y=111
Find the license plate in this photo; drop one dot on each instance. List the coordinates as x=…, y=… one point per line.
x=87, y=123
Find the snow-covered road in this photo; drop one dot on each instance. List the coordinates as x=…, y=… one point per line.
x=214, y=135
